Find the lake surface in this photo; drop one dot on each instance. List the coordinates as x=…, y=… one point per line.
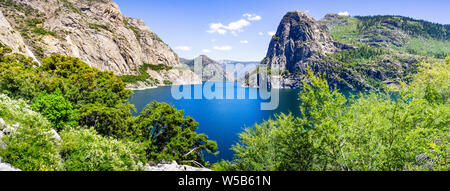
x=221, y=119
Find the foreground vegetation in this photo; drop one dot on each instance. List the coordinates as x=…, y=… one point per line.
x=405, y=129
x=89, y=110
x=65, y=115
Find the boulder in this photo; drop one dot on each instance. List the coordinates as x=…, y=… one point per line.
x=173, y=166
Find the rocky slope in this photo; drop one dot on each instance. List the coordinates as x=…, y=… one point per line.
x=211, y=70
x=356, y=53
x=93, y=30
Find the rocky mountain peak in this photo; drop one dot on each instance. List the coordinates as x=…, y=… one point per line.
x=299, y=40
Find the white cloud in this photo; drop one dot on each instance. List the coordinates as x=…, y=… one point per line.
x=306, y=11
x=183, y=48
x=345, y=13
x=260, y=33
x=271, y=33
x=233, y=27
x=252, y=17
x=217, y=28
x=206, y=50
x=238, y=25
x=213, y=40
x=222, y=48
x=244, y=41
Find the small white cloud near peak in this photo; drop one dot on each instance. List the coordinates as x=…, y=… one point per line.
x=222, y=48
x=213, y=40
x=252, y=17
x=233, y=27
x=260, y=33
x=183, y=48
x=271, y=33
x=345, y=13
x=244, y=41
x=206, y=51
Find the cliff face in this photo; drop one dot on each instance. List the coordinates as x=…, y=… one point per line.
x=95, y=31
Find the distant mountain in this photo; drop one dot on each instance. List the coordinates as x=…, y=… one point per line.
x=356, y=53
x=211, y=70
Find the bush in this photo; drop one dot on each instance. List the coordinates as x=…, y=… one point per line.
x=17, y=76
x=77, y=82
x=85, y=150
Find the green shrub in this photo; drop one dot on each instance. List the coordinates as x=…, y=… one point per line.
x=4, y=49
x=31, y=146
x=85, y=150
x=169, y=135
x=167, y=82
x=56, y=109
x=18, y=111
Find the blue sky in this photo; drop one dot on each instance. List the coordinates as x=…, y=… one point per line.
x=241, y=30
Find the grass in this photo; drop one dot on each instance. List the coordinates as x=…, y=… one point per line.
x=427, y=47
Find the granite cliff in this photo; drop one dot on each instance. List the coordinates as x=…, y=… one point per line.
x=94, y=30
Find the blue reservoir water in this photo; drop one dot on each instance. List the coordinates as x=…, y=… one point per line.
x=221, y=119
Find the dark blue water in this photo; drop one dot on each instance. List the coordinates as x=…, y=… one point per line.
x=221, y=119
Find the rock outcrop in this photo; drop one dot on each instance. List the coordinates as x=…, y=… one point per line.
x=94, y=31
x=7, y=167
x=299, y=40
